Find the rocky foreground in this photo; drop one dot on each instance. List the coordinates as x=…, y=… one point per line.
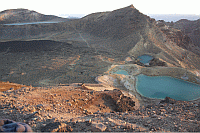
x=74, y=108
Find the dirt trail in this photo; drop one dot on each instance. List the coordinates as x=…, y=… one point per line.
x=84, y=39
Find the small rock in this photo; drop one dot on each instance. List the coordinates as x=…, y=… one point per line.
x=86, y=99
x=39, y=105
x=32, y=110
x=72, y=120
x=96, y=112
x=168, y=100
x=146, y=125
x=112, y=124
x=11, y=88
x=92, y=92
x=36, y=112
x=81, y=99
x=67, y=100
x=4, y=95
x=154, y=116
x=74, y=100
x=88, y=120
x=35, y=118
x=98, y=127
x=149, y=121
x=85, y=111
x=70, y=104
x=31, y=115
x=49, y=115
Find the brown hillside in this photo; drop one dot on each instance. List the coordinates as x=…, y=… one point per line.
x=24, y=15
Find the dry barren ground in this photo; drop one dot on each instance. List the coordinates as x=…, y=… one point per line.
x=74, y=108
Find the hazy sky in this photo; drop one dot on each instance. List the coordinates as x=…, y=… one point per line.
x=62, y=7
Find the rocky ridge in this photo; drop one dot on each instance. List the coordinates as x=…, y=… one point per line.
x=190, y=28
x=180, y=34
x=25, y=15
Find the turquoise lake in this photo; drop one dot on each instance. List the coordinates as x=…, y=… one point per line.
x=122, y=72
x=145, y=58
x=161, y=86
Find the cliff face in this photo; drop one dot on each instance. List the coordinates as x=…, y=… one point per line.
x=24, y=15
x=179, y=36
x=190, y=28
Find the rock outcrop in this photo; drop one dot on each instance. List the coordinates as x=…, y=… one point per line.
x=156, y=62
x=190, y=28
x=181, y=34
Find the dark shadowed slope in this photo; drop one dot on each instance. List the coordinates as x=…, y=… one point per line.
x=190, y=28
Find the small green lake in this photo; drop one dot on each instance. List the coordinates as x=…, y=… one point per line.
x=121, y=72
x=161, y=86
x=145, y=58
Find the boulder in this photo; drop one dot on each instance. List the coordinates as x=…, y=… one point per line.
x=98, y=127
x=7, y=125
x=156, y=62
x=56, y=127
x=168, y=100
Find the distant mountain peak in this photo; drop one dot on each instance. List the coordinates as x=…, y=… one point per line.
x=131, y=6
x=15, y=10
x=115, y=24
x=21, y=15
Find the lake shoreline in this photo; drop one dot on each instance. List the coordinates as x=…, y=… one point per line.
x=135, y=70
